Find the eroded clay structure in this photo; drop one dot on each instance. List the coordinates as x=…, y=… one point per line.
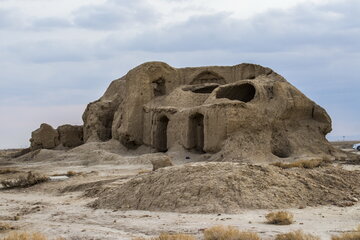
x=239, y=112
x=46, y=137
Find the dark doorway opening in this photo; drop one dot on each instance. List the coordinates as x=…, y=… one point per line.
x=196, y=132
x=161, y=134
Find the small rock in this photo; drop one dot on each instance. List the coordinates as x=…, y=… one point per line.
x=161, y=163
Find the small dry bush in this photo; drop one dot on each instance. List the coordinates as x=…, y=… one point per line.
x=280, y=218
x=142, y=171
x=25, y=181
x=228, y=233
x=312, y=163
x=165, y=236
x=5, y=227
x=8, y=171
x=72, y=173
x=24, y=236
x=296, y=235
x=355, y=235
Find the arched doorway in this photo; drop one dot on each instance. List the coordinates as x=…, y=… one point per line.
x=161, y=134
x=196, y=132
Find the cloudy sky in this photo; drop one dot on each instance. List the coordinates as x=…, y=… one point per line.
x=56, y=56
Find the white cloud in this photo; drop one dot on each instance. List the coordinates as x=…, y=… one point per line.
x=47, y=8
x=120, y=15
x=240, y=9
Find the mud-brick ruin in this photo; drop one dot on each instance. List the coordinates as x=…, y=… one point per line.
x=244, y=112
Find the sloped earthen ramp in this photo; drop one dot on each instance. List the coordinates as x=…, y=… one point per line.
x=230, y=187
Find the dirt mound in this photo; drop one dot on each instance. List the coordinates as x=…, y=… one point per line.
x=230, y=187
x=90, y=189
x=94, y=153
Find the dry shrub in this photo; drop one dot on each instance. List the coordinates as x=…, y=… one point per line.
x=228, y=233
x=24, y=236
x=25, y=181
x=8, y=171
x=165, y=236
x=312, y=163
x=5, y=226
x=347, y=236
x=355, y=235
x=296, y=235
x=280, y=218
x=72, y=173
x=142, y=171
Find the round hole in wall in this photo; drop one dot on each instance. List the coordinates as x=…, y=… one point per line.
x=242, y=92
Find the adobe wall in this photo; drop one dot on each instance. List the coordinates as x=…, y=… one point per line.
x=140, y=84
x=246, y=111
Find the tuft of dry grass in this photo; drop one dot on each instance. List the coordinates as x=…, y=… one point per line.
x=5, y=226
x=25, y=181
x=142, y=171
x=355, y=235
x=165, y=236
x=312, y=163
x=24, y=236
x=280, y=218
x=228, y=233
x=8, y=171
x=296, y=235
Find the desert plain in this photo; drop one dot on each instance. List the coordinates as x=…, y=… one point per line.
x=64, y=206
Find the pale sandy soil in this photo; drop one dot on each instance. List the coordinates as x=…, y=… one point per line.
x=67, y=216
x=48, y=209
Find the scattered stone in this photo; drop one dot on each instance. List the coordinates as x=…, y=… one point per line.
x=161, y=163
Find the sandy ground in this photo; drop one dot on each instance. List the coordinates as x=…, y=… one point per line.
x=49, y=209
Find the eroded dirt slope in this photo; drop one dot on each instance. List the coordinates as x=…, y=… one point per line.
x=231, y=187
